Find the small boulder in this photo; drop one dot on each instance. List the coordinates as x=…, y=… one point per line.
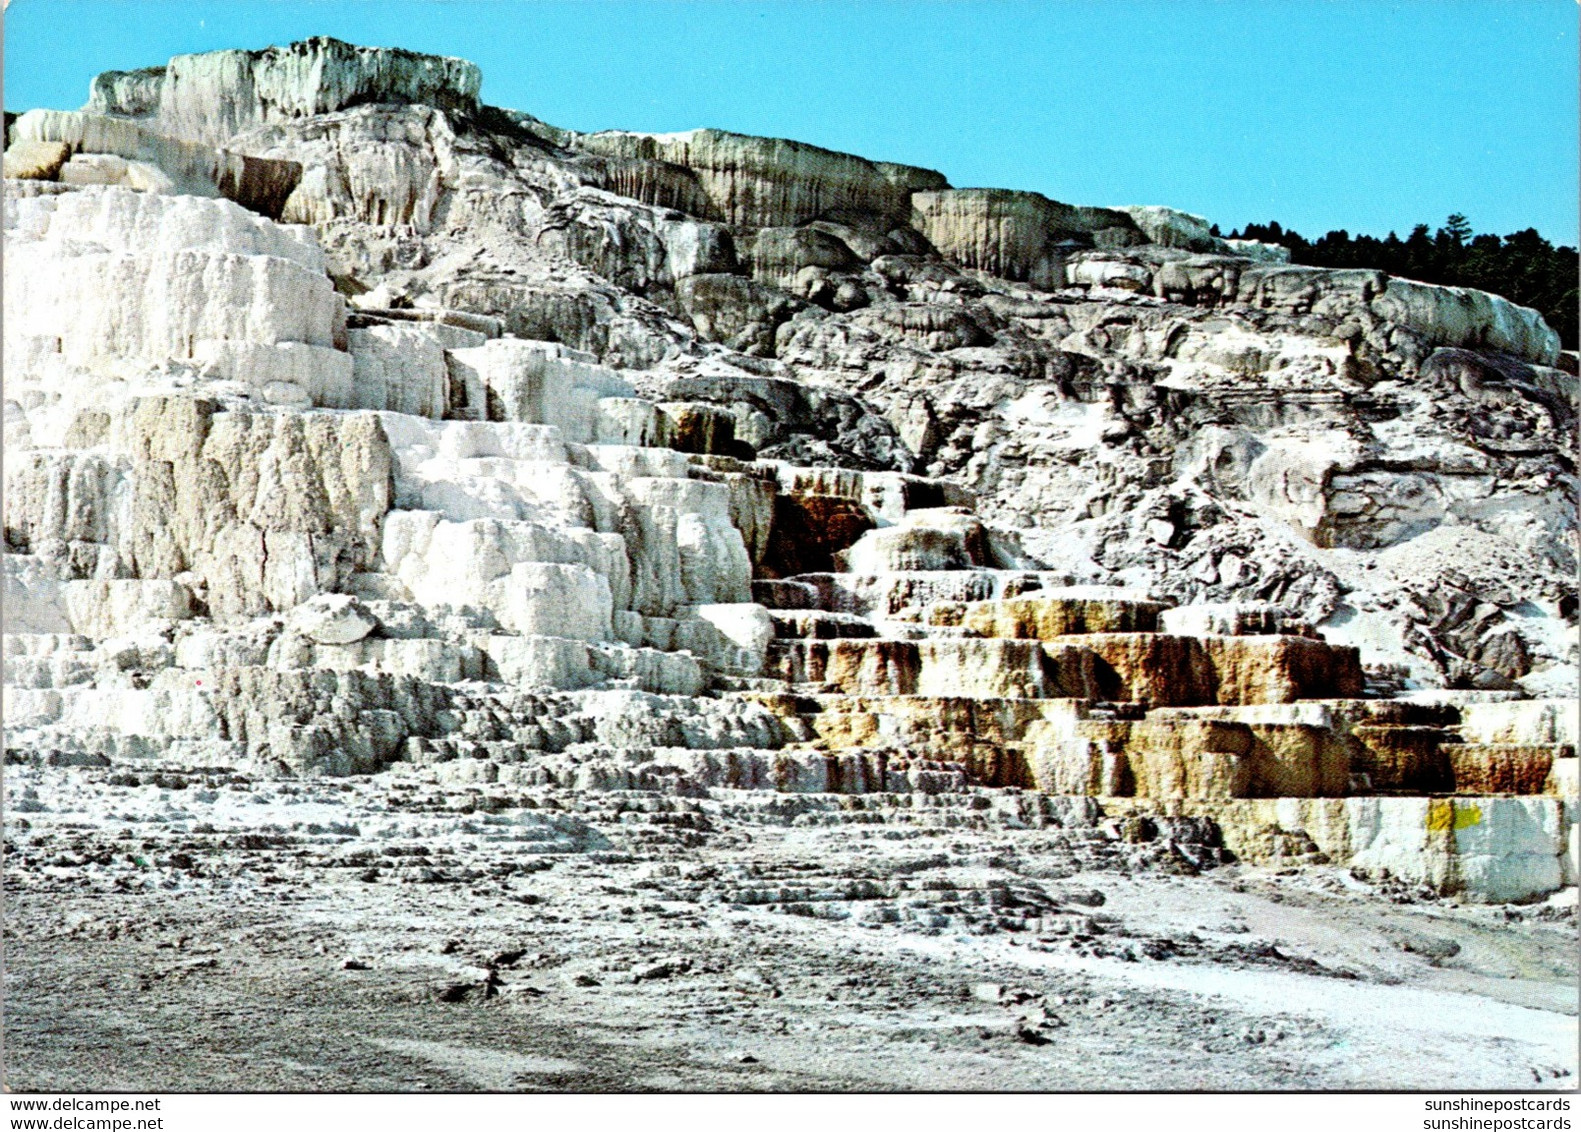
x=661, y=969
x=466, y=992
x=333, y=619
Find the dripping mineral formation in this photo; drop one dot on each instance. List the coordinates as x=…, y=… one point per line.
x=361, y=437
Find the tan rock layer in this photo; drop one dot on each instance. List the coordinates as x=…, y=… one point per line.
x=1283, y=669
x=1180, y=757
x=1151, y=668
x=1048, y=618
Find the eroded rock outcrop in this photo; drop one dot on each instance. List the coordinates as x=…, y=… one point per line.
x=753, y=182
x=1014, y=235
x=214, y=96
x=99, y=149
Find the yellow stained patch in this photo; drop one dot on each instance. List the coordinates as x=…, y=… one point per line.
x=1444, y=815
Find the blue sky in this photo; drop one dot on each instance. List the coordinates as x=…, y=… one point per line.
x=1362, y=114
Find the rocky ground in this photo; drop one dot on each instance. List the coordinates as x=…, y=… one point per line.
x=197, y=930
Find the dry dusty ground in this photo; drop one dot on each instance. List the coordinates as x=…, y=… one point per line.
x=203, y=930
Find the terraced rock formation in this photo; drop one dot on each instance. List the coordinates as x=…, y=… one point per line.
x=354, y=424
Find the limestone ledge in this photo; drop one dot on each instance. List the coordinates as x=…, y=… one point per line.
x=1156, y=668
x=1494, y=849
x=114, y=151
x=770, y=182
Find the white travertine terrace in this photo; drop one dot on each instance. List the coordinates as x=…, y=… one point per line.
x=794, y=470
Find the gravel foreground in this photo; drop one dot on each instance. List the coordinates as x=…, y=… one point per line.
x=204, y=930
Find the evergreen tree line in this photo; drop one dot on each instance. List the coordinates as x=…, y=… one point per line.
x=1523, y=267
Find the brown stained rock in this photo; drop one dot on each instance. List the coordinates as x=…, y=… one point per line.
x=1403, y=758
x=1047, y=618
x=1296, y=760
x=858, y=667
x=1175, y=756
x=1400, y=713
x=989, y=719
x=958, y=667
x=809, y=530
x=1093, y=764
x=1155, y=668
x=1277, y=670
x=28, y=160
x=988, y=669
x=841, y=730
x=983, y=735
x=1076, y=672
x=858, y=772
x=995, y=765
x=785, y=705
x=703, y=430
x=1167, y=671
x=1485, y=769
